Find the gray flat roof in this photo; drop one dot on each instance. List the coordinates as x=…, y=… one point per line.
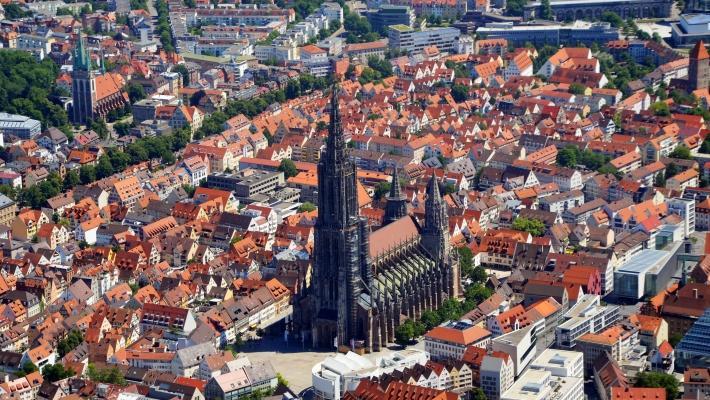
x=644, y=261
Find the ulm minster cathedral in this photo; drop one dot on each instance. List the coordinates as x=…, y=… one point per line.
x=365, y=284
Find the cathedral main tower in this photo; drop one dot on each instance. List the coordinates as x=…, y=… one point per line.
x=365, y=285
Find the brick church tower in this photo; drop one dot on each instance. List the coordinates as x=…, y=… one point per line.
x=699, y=68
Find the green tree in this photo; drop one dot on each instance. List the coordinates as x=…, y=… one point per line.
x=56, y=372
x=459, y=92
x=306, y=207
x=382, y=189
x=661, y=108
x=659, y=380
x=705, y=146
x=99, y=126
x=135, y=91
x=87, y=174
x=477, y=293
x=567, y=157
x=465, y=261
x=104, y=168
x=430, y=319
x=532, y=226
x=404, y=333
x=70, y=342
x=613, y=18
x=27, y=368
x=577, y=88
x=109, y=375
x=288, y=167
x=478, y=394
x=182, y=70
x=14, y=11
x=681, y=152
x=479, y=275
x=546, y=12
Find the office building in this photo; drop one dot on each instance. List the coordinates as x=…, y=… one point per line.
x=246, y=183
x=337, y=374
x=570, y=10
x=449, y=342
x=693, y=349
x=690, y=29
x=560, y=363
x=638, y=277
x=520, y=345
x=387, y=15
x=553, y=34
x=18, y=125
x=406, y=38
x=497, y=374
x=685, y=209
x=537, y=384
x=587, y=315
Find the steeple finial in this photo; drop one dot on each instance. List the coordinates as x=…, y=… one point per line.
x=395, y=189
x=335, y=141
x=396, y=207
x=432, y=190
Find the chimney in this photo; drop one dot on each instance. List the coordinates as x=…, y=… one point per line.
x=695, y=293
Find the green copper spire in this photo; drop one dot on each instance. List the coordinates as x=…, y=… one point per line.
x=82, y=61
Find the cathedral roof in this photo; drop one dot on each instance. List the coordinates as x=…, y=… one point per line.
x=390, y=236
x=107, y=85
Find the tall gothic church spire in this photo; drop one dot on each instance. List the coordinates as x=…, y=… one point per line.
x=435, y=235
x=341, y=259
x=396, y=201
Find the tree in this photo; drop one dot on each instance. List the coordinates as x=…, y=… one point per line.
x=404, y=333
x=135, y=91
x=56, y=372
x=382, y=189
x=567, y=157
x=465, y=261
x=577, y=88
x=182, y=70
x=459, y=92
x=430, y=319
x=69, y=343
x=307, y=207
x=99, y=126
x=479, y=275
x=27, y=368
x=478, y=394
x=532, y=226
x=477, y=293
x=288, y=167
x=705, y=146
x=14, y=11
x=104, y=168
x=613, y=18
x=659, y=380
x=681, y=152
x=661, y=108
x=546, y=12
x=108, y=375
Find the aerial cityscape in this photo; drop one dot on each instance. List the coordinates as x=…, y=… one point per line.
x=355, y=200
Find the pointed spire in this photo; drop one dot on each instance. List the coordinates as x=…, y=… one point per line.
x=395, y=189
x=82, y=61
x=432, y=190
x=396, y=207
x=699, y=51
x=335, y=140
